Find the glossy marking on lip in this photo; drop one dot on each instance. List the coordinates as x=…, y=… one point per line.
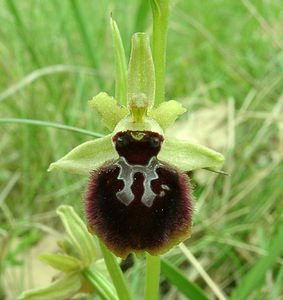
x=127, y=173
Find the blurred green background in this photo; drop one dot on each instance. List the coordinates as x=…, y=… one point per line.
x=224, y=63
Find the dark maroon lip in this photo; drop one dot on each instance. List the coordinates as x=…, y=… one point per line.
x=137, y=203
x=135, y=226
x=138, y=147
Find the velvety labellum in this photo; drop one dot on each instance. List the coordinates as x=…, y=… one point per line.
x=138, y=203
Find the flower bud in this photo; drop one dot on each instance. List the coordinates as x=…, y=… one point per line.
x=61, y=289
x=81, y=239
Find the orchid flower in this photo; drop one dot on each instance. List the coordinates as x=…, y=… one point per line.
x=139, y=197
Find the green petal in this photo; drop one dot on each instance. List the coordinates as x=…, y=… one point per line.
x=80, y=237
x=86, y=157
x=61, y=289
x=61, y=262
x=189, y=156
x=167, y=113
x=111, y=112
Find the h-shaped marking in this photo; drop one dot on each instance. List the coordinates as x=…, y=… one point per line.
x=127, y=173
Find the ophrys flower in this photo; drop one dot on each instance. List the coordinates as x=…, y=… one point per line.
x=138, y=197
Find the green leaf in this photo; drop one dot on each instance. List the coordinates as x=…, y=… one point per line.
x=141, y=78
x=80, y=237
x=61, y=262
x=115, y=273
x=167, y=113
x=86, y=157
x=188, y=156
x=186, y=287
x=121, y=65
x=254, y=277
x=61, y=289
x=111, y=113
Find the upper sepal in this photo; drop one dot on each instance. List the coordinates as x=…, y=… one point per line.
x=189, y=156
x=141, y=77
x=86, y=157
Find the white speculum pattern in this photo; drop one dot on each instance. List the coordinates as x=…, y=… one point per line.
x=127, y=174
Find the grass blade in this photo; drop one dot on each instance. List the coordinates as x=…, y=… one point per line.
x=256, y=275
x=49, y=124
x=186, y=287
x=202, y=272
x=23, y=34
x=21, y=28
x=86, y=40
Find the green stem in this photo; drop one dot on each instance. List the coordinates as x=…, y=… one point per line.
x=100, y=285
x=115, y=273
x=160, y=12
x=152, y=277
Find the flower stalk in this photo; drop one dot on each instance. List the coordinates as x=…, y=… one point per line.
x=160, y=14
x=152, y=277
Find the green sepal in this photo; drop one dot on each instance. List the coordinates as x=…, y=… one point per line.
x=60, y=289
x=86, y=157
x=167, y=113
x=189, y=156
x=80, y=237
x=61, y=262
x=109, y=109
